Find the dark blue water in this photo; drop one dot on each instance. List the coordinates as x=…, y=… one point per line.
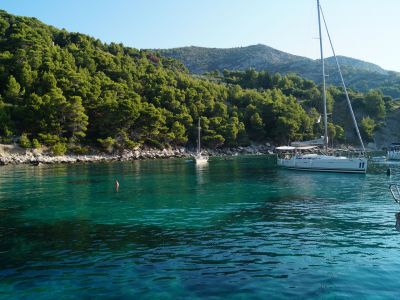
x=237, y=229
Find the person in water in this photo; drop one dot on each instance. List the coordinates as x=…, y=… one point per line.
x=398, y=221
x=116, y=185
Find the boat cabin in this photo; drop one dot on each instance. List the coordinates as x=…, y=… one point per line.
x=394, y=147
x=393, y=152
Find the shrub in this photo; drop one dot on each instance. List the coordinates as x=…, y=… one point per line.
x=154, y=143
x=214, y=141
x=77, y=149
x=6, y=140
x=59, y=148
x=24, y=141
x=107, y=144
x=36, y=144
x=129, y=144
x=49, y=139
x=367, y=128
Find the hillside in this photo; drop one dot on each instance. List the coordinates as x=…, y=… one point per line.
x=68, y=92
x=71, y=92
x=359, y=75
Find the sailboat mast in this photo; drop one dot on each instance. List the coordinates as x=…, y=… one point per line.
x=198, y=137
x=323, y=80
x=344, y=85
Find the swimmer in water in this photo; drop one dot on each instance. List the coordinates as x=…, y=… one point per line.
x=398, y=221
x=116, y=185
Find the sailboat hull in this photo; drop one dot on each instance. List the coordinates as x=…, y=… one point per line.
x=200, y=159
x=324, y=163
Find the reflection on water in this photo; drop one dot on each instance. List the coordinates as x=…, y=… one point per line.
x=175, y=229
x=201, y=169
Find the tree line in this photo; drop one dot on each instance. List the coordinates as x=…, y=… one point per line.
x=370, y=108
x=70, y=92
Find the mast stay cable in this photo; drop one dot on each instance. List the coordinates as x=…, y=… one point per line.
x=344, y=85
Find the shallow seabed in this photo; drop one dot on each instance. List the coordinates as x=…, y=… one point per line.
x=237, y=229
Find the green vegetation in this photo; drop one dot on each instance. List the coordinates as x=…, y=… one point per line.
x=369, y=107
x=68, y=91
x=59, y=149
x=36, y=144
x=24, y=141
x=367, y=128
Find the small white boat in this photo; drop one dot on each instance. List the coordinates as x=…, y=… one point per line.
x=393, y=152
x=199, y=157
x=293, y=158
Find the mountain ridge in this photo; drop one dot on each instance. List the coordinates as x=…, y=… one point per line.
x=359, y=75
x=343, y=60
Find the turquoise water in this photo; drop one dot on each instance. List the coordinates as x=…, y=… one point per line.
x=237, y=229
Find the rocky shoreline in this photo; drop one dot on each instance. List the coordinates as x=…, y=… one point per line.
x=33, y=157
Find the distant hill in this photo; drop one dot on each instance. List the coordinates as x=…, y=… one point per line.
x=359, y=75
x=357, y=64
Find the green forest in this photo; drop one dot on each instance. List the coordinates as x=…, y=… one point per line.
x=71, y=93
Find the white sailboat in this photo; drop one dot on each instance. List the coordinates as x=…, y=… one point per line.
x=199, y=158
x=294, y=158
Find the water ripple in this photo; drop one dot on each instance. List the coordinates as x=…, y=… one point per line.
x=236, y=229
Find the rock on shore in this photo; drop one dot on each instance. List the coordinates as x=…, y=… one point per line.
x=36, y=158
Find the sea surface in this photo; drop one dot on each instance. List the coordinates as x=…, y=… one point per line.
x=236, y=228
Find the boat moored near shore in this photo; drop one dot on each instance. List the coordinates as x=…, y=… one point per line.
x=303, y=159
x=324, y=161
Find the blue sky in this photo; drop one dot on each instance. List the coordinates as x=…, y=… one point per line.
x=363, y=29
